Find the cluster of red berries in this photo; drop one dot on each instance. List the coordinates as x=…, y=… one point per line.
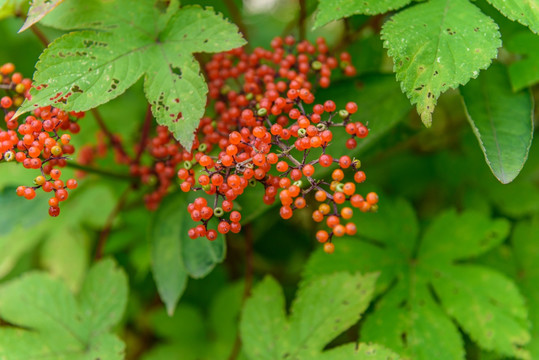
x=37, y=142
x=268, y=131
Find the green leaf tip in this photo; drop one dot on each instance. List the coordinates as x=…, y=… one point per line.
x=438, y=45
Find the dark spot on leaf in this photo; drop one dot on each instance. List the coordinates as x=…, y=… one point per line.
x=176, y=70
x=435, y=73
x=429, y=94
x=476, y=29
x=404, y=338
x=205, y=41
x=76, y=89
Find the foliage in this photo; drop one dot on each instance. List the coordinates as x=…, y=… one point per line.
x=141, y=104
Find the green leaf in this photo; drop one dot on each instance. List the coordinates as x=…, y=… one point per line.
x=10, y=8
x=525, y=12
x=168, y=270
x=439, y=45
x=21, y=212
x=408, y=317
x=65, y=254
x=323, y=308
x=49, y=322
x=38, y=10
x=357, y=352
x=84, y=69
x=174, y=255
x=526, y=250
x=525, y=71
x=501, y=120
x=263, y=322
x=329, y=10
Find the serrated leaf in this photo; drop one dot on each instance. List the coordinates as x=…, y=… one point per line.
x=312, y=326
x=263, y=322
x=525, y=12
x=358, y=352
x=501, y=120
x=525, y=71
x=52, y=323
x=65, y=254
x=439, y=45
x=408, y=318
x=329, y=10
x=526, y=250
x=323, y=308
x=175, y=256
x=410, y=322
x=84, y=69
x=471, y=294
x=38, y=10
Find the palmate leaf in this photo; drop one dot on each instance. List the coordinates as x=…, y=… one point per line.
x=323, y=308
x=420, y=291
x=329, y=10
x=501, y=120
x=525, y=12
x=51, y=323
x=38, y=10
x=175, y=256
x=439, y=45
x=127, y=40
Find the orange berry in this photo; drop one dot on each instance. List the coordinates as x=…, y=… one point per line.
x=320, y=195
x=372, y=198
x=308, y=170
x=329, y=248
x=347, y=213
x=339, y=230
x=318, y=216
x=324, y=209
x=286, y=212
x=322, y=236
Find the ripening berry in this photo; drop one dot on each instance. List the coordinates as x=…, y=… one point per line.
x=320, y=195
x=39, y=180
x=61, y=194
x=359, y=177
x=324, y=209
x=351, y=107
x=329, y=106
x=72, y=184
x=318, y=216
x=235, y=216
x=308, y=170
x=329, y=248
x=347, y=213
x=223, y=227
x=351, y=229
x=54, y=211
x=372, y=198
x=53, y=201
x=339, y=230
x=322, y=236
x=325, y=160
x=332, y=221
x=286, y=212
x=211, y=235
x=29, y=193
x=337, y=175
x=300, y=203
x=6, y=102
x=55, y=174
x=282, y=166
x=20, y=190
x=339, y=197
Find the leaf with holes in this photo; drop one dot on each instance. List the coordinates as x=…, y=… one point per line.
x=439, y=45
x=329, y=10
x=422, y=281
x=323, y=308
x=501, y=120
x=38, y=10
x=125, y=41
x=525, y=12
x=50, y=322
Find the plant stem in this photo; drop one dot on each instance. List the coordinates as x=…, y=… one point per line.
x=39, y=34
x=236, y=17
x=108, y=225
x=93, y=170
x=302, y=19
x=113, y=140
x=145, y=133
x=249, y=271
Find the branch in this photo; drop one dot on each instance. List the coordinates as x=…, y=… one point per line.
x=302, y=19
x=113, y=140
x=108, y=225
x=93, y=170
x=236, y=17
x=249, y=271
x=145, y=133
